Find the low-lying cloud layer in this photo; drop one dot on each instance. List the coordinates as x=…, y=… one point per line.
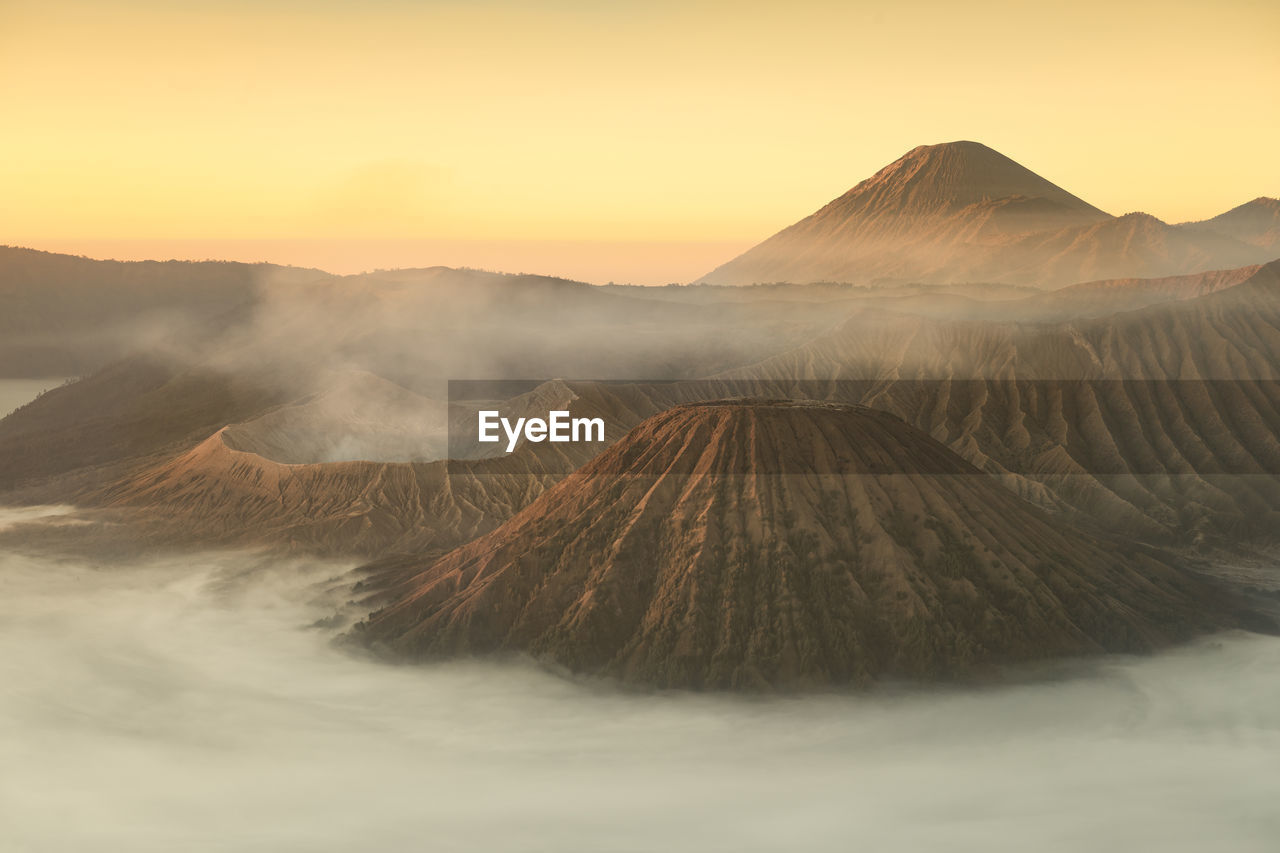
x=184, y=703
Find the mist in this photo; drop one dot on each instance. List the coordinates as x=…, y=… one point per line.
x=191, y=702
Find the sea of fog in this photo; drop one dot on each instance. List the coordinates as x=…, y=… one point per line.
x=187, y=703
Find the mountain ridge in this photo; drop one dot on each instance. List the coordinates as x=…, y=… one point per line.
x=961, y=212
x=1256, y=222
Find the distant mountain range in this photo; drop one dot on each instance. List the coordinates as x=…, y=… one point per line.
x=962, y=212
x=1256, y=222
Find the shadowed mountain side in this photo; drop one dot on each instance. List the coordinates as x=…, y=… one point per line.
x=1187, y=449
x=961, y=212
x=136, y=409
x=215, y=494
x=1228, y=334
x=656, y=565
x=225, y=491
x=1093, y=299
x=1256, y=222
x=1168, y=461
x=1133, y=245
x=65, y=315
x=985, y=302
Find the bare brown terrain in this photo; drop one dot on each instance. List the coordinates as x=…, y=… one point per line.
x=748, y=544
x=263, y=481
x=215, y=494
x=1161, y=421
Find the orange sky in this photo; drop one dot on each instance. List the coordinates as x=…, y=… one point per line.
x=626, y=141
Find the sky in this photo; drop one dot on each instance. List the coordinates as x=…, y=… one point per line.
x=622, y=141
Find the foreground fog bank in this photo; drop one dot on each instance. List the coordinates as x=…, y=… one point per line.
x=184, y=704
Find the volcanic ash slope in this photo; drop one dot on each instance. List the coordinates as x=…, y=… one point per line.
x=749, y=545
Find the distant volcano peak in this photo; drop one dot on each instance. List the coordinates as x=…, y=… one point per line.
x=962, y=212
x=951, y=175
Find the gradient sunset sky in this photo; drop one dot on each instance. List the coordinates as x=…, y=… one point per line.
x=628, y=141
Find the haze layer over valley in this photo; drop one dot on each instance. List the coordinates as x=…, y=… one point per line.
x=145, y=702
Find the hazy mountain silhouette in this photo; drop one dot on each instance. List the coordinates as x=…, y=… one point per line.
x=67, y=315
x=1256, y=222
x=961, y=212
